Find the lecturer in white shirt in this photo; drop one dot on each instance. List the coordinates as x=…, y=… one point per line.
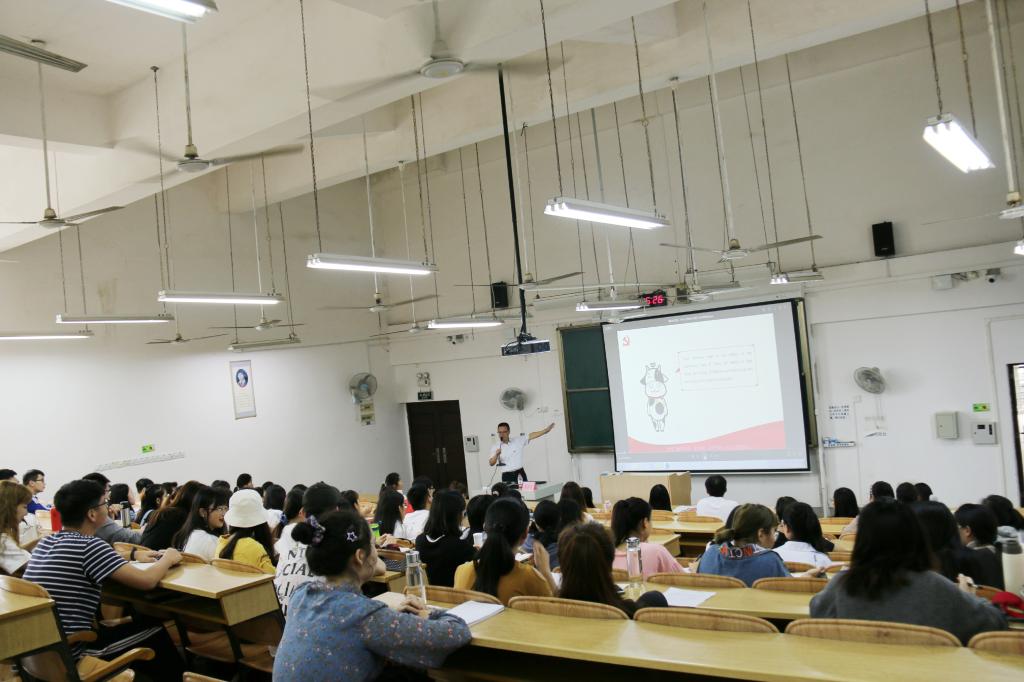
x=507, y=453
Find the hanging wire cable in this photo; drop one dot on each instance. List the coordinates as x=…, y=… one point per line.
x=764, y=136
x=935, y=61
x=551, y=96
x=800, y=158
x=156, y=199
x=716, y=116
x=369, y=208
x=586, y=190
x=266, y=218
x=967, y=71
x=600, y=189
x=81, y=270
x=188, y=92
x=419, y=179
x=483, y=218
x=309, y=121
x=753, y=159
x=630, y=252
x=165, y=257
x=42, y=120
x=1010, y=131
x=682, y=182
x=643, y=113
x=231, y=245
x=287, y=280
x=465, y=215
x=572, y=169
x=1015, y=99
x=430, y=212
x=408, y=250
x=519, y=184
x=529, y=194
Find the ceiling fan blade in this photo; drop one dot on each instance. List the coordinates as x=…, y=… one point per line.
x=19, y=222
x=526, y=66
x=786, y=242
x=142, y=147
x=364, y=308
x=411, y=300
x=200, y=338
x=276, y=151
x=90, y=214
x=618, y=285
x=691, y=248
x=160, y=341
x=247, y=327
x=556, y=278
x=374, y=89
x=961, y=218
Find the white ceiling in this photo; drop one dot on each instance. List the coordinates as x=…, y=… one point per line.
x=248, y=87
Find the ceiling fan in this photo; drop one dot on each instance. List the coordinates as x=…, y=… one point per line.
x=263, y=325
x=379, y=306
x=178, y=338
x=737, y=252
x=50, y=219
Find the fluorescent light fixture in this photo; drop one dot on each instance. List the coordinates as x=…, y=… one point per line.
x=1019, y=248
x=333, y=261
x=44, y=336
x=595, y=212
x=38, y=54
x=812, y=275
x=243, y=346
x=465, y=323
x=1013, y=212
x=599, y=306
x=780, y=278
x=229, y=298
x=949, y=138
x=63, y=318
x=179, y=10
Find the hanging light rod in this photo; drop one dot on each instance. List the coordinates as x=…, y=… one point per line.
x=44, y=336
x=945, y=134
x=465, y=323
x=242, y=346
x=601, y=306
x=333, y=261
x=179, y=10
x=38, y=54
x=229, y=297
x=812, y=275
x=64, y=318
x=608, y=214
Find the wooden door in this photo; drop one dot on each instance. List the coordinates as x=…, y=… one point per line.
x=435, y=438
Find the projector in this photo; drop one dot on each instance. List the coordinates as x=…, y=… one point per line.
x=525, y=345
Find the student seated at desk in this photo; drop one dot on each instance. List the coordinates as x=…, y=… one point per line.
x=545, y=528
x=420, y=499
x=250, y=541
x=444, y=545
x=35, y=481
x=153, y=498
x=631, y=518
x=495, y=569
x=205, y=524
x=659, y=498
x=476, y=512
x=72, y=566
x=390, y=514
x=844, y=503
x=14, y=501
x=587, y=553
x=804, y=542
x=715, y=503
x=273, y=504
x=879, y=490
x=359, y=634
x=1011, y=523
x=890, y=579
x=165, y=522
x=954, y=559
x=977, y=526
x=741, y=551
x=111, y=530
x=572, y=491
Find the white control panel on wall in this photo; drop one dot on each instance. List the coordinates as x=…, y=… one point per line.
x=472, y=444
x=984, y=434
x=946, y=426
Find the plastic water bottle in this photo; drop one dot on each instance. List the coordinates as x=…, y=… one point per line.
x=634, y=565
x=414, y=575
x=1013, y=566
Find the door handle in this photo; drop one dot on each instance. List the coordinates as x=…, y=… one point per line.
x=444, y=454
x=437, y=453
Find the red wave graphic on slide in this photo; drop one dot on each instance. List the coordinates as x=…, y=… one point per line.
x=771, y=436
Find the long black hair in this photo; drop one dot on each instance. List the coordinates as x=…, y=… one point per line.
x=659, y=498
x=274, y=496
x=505, y=525
x=890, y=544
x=333, y=541
x=546, y=522
x=980, y=520
x=845, y=502
x=573, y=491
x=804, y=525
x=627, y=515
x=445, y=514
x=943, y=536
x=260, y=534
x=152, y=498
x=476, y=511
x=389, y=510
x=1006, y=515
x=207, y=499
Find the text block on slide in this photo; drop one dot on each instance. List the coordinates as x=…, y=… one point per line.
x=713, y=368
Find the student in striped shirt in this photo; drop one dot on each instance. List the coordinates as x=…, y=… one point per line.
x=73, y=564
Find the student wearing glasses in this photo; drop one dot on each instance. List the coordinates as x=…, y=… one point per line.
x=205, y=524
x=35, y=481
x=73, y=564
x=111, y=530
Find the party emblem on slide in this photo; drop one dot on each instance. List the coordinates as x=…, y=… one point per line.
x=654, y=387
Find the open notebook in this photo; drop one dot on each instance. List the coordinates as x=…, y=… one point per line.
x=475, y=611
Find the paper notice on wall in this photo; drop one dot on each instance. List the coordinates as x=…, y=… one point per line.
x=839, y=412
x=242, y=389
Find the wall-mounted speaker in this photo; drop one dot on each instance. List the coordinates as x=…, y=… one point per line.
x=499, y=295
x=881, y=235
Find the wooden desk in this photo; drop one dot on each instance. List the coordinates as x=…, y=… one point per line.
x=394, y=581
x=669, y=540
x=835, y=529
x=26, y=624
x=751, y=602
x=510, y=644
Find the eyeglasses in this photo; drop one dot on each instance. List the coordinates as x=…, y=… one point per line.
x=222, y=508
x=104, y=503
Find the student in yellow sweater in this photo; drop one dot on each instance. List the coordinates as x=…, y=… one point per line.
x=250, y=541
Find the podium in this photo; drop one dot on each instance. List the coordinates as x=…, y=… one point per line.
x=618, y=486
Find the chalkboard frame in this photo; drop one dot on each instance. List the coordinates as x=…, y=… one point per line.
x=571, y=436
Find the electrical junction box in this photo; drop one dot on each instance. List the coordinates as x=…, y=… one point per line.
x=984, y=434
x=946, y=426
x=472, y=444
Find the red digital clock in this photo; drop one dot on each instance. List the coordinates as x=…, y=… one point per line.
x=655, y=299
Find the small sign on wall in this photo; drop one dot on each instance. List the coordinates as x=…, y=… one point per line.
x=242, y=389
x=367, y=413
x=981, y=407
x=425, y=395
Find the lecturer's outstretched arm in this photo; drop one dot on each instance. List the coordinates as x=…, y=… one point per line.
x=542, y=432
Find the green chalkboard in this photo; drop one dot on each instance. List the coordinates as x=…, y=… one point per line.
x=588, y=405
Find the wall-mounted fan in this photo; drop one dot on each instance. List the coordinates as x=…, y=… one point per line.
x=513, y=399
x=362, y=386
x=870, y=379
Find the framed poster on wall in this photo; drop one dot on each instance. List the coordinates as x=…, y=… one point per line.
x=242, y=389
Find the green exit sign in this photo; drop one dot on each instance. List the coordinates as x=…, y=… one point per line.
x=981, y=407
x=147, y=448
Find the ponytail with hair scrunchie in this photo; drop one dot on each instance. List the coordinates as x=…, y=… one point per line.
x=318, y=532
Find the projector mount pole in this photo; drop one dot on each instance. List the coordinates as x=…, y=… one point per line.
x=512, y=201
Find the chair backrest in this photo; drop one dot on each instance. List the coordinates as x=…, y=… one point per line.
x=986, y=592
x=703, y=519
x=236, y=566
x=836, y=520
x=696, y=580
x=798, y=566
x=840, y=555
x=53, y=663
x=402, y=542
x=391, y=554
x=619, y=575
x=805, y=585
x=835, y=568
x=662, y=515
x=1007, y=642
x=189, y=558
x=704, y=619
x=127, y=547
x=601, y=515
x=19, y=586
x=870, y=631
x=450, y=595
x=554, y=606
